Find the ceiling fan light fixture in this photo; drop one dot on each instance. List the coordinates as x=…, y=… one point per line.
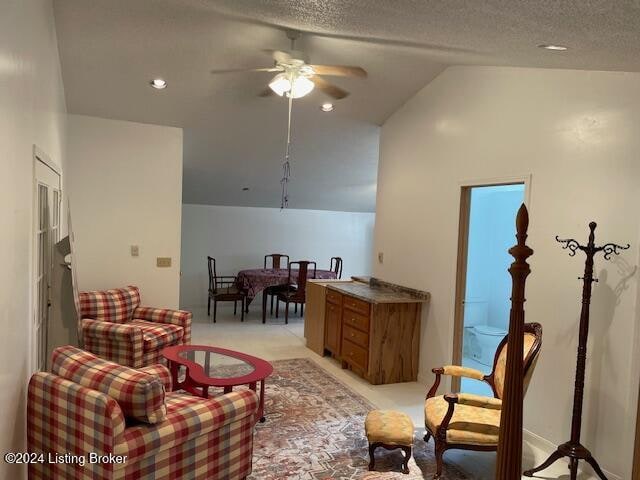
x=301, y=86
x=280, y=84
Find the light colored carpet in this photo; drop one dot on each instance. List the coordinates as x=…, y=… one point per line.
x=315, y=430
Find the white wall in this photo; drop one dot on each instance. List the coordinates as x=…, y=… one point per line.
x=32, y=111
x=240, y=237
x=126, y=189
x=576, y=133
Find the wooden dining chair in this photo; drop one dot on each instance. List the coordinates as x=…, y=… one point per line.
x=336, y=266
x=276, y=263
x=295, y=289
x=224, y=288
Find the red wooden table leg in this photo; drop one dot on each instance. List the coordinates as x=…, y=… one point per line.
x=174, y=368
x=261, y=402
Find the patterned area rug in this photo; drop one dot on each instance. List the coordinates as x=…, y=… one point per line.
x=315, y=430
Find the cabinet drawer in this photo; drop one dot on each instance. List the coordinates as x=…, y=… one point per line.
x=356, y=320
x=355, y=336
x=356, y=305
x=331, y=308
x=334, y=297
x=352, y=353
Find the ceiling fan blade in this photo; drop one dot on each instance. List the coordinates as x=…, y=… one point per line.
x=339, y=70
x=238, y=70
x=328, y=88
x=278, y=55
x=267, y=92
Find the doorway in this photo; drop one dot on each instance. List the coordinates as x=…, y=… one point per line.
x=47, y=202
x=487, y=231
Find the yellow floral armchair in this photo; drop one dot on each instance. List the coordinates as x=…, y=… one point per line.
x=472, y=422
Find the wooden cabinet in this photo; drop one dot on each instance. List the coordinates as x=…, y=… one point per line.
x=378, y=341
x=333, y=324
x=314, y=315
x=372, y=327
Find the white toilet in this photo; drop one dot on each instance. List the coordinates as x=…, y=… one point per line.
x=485, y=343
x=480, y=340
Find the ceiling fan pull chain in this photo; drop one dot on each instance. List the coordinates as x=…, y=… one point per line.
x=286, y=166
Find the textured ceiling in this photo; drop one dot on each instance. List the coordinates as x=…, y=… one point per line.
x=601, y=34
x=111, y=48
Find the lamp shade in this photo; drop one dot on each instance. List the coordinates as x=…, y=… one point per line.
x=280, y=84
x=301, y=87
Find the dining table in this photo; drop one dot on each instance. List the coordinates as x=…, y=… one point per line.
x=255, y=280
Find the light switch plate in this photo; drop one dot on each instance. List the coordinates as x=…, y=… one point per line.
x=135, y=251
x=163, y=261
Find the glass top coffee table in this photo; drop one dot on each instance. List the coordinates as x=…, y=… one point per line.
x=203, y=366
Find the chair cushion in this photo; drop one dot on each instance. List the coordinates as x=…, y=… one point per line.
x=189, y=417
x=389, y=427
x=116, y=305
x=469, y=425
x=140, y=394
x=158, y=335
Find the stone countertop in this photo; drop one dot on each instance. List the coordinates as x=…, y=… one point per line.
x=378, y=291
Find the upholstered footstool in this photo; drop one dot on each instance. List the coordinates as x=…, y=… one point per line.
x=391, y=430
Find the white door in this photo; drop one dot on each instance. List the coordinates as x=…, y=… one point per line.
x=48, y=198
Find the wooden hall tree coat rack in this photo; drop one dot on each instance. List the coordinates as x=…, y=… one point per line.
x=573, y=449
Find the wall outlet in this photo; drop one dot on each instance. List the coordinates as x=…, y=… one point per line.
x=380, y=257
x=163, y=261
x=135, y=251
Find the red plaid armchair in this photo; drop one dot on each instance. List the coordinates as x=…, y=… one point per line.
x=114, y=326
x=105, y=421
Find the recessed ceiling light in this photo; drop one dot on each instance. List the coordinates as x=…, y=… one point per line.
x=158, y=83
x=327, y=107
x=557, y=48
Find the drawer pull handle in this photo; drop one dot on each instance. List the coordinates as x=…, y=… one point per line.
x=353, y=334
x=351, y=354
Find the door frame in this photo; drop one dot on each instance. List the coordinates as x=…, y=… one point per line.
x=41, y=156
x=635, y=474
x=465, y=187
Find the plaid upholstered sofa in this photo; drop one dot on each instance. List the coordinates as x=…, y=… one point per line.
x=91, y=419
x=114, y=326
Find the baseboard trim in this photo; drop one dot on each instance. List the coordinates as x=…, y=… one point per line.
x=548, y=447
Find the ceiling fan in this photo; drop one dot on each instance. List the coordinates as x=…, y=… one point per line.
x=295, y=77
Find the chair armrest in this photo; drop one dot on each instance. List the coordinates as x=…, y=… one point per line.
x=472, y=400
x=234, y=406
x=63, y=416
x=181, y=318
x=162, y=372
x=454, y=371
x=118, y=342
x=458, y=371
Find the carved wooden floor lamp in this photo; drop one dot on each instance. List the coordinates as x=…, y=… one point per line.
x=573, y=449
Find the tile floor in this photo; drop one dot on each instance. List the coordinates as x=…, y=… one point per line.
x=274, y=340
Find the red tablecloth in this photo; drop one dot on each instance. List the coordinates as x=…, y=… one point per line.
x=254, y=280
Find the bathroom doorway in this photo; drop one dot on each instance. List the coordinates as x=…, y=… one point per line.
x=487, y=231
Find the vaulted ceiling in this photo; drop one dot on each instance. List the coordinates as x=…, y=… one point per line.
x=110, y=49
